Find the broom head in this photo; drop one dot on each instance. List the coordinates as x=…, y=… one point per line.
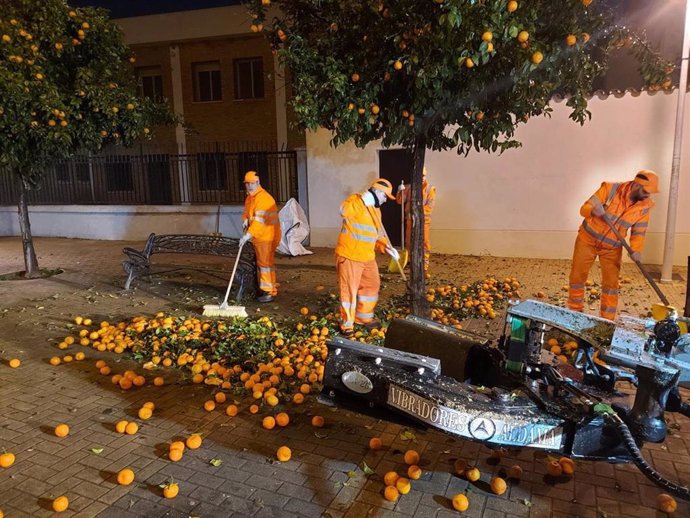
x=224, y=311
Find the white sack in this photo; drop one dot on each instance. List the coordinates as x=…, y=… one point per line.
x=294, y=229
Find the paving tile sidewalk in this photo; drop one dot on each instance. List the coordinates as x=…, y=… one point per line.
x=36, y=396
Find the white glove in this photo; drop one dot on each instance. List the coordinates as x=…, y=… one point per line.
x=245, y=238
x=368, y=199
x=393, y=253
x=245, y=225
x=401, y=188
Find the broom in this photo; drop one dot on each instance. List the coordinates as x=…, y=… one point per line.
x=225, y=310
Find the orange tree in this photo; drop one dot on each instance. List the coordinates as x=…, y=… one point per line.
x=66, y=86
x=441, y=74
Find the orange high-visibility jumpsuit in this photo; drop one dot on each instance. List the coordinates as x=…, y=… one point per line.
x=261, y=212
x=355, y=253
x=595, y=239
x=428, y=200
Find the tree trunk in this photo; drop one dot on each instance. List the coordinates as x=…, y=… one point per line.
x=417, y=287
x=30, y=259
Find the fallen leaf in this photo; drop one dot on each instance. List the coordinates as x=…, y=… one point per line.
x=97, y=451
x=366, y=469
x=526, y=502
x=408, y=435
x=215, y=462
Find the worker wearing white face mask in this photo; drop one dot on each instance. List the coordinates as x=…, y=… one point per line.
x=260, y=224
x=355, y=253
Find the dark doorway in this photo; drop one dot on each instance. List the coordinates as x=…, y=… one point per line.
x=160, y=187
x=395, y=165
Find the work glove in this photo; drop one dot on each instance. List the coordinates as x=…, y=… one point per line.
x=598, y=208
x=393, y=253
x=368, y=199
x=245, y=238
x=636, y=256
x=245, y=225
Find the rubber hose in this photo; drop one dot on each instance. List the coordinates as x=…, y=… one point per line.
x=641, y=463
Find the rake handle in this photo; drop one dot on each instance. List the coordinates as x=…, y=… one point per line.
x=644, y=271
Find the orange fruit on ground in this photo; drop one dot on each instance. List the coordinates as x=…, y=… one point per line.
x=145, y=413
x=254, y=409
x=472, y=474
x=120, y=426
x=305, y=388
x=269, y=422
x=391, y=493
x=105, y=370
x=666, y=503
x=159, y=381
x=272, y=400
x=375, y=443
x=220, y=397
x=498, y=485
x=193, y=441
x=125, y=383
x=62, y=430
x=554, y=468
x=125, y=477
x=60, y=504
x=283, y=454
x=139, y=381
x=6, y=459
x=100, y=363
x=304, y=310
x=171, y=490
x=317, y=421
x=15, y=362
x=414, y=472
x=403, y=485
x=131, y=428
x=411, y=457
x=298, y=399
x=79, y=356
x=87, y=322
x=515, y=472
x=177, y=445
x=232, y=410
x=282, y=419
x=460, y=502
x=55, y=360
x=209, y=405
x=175, y=454
x=567, y=465
x=390, y=478
x=149, y=404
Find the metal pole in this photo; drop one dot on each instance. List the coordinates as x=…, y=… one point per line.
x=669, y=244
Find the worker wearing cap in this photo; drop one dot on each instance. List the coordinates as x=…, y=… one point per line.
x=261, y=225
x=627, y=206
x=355, y=255
x=428, y=201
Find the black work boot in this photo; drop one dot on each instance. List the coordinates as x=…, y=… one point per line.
x=266, y=297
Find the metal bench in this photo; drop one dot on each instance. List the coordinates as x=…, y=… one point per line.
x=138, y=262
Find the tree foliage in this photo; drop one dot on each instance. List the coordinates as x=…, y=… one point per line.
x=66, y=86
x=464, y=73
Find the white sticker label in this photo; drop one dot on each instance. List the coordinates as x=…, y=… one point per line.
x=478, y=426
x=357, y=382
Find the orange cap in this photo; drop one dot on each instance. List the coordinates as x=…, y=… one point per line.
x=384, y=186
x=649, y=180
x=251, y=177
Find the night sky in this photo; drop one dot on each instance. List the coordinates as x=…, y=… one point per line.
x=127, y=8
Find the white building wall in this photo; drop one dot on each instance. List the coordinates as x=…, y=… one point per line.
x=525, y=202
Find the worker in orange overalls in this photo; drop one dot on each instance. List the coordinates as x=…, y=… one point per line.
x=428, y=200
x=355, y=255
x=627, y=206
x=261, y=225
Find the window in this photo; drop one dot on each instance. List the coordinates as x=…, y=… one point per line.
x=207, y=83
x=249, y=78
x=212, y=175
x=150, y=81
x=74, y=170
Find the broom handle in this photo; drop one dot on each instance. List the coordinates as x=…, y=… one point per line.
x=232, y=277
x=378, y=222
x=644, y=271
